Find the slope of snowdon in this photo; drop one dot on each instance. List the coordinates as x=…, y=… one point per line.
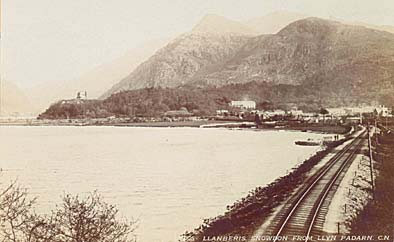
x=343, y=60
x=180, y=60
x=313, y=51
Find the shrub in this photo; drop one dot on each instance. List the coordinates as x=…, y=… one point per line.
x=74, y=220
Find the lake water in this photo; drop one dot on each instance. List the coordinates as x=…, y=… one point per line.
x=168, y=178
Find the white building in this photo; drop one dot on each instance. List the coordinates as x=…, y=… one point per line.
x=221, y=112
x=243, y=104
x=82, y=95
x=382, y=111
x=296, y=112
x=276, y=112
x=351, y=111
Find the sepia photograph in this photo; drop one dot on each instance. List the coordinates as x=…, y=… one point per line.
x=196, y=120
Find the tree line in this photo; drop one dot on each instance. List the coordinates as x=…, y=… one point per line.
x=152, y=102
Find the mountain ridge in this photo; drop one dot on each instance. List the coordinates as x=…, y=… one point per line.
x=181, y=59
x=308, y=51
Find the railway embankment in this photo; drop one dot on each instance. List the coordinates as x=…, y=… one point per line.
x=246, y=215
x=377, y=217
x=351, y=195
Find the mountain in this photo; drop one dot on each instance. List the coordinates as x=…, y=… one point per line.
x=212, y=41
x=309, y=50
x=217, y=24
x=310, y=63
x=273, y=22
x=97, y=80
x=13, y=100
x=187, y=56
x=343, y=61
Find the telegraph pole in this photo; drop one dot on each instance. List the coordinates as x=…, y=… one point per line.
x=376, y=134
x=370, y=160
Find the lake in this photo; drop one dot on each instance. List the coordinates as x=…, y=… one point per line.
x=168, y=178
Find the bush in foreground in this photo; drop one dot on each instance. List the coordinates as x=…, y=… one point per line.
x=74, y=220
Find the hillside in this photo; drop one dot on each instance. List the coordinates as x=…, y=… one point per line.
x=312, y=51
x=201, y=101
x=346, y=61
x=154, y=102
x=183, y=58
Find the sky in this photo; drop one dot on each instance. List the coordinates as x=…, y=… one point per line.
x=58, y=40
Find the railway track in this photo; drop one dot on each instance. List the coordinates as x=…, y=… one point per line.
x=303, y=215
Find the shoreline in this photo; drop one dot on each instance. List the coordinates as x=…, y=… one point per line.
x=247, y=125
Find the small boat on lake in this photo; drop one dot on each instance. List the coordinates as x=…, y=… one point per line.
x=308, y=142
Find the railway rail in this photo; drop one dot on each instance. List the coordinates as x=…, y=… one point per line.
x=302, y=217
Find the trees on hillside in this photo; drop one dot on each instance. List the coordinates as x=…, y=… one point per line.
x=154, y=102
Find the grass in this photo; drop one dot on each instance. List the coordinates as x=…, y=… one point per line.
x=377, y=218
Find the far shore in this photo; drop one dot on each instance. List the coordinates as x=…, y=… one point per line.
x=319, y=128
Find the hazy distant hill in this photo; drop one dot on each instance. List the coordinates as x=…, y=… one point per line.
x=217, y=24
x=346, y=60
x=273, y=22
x=96, y=81
x=14, y=100
x=386, y=28
x=104, y=76
x=267, y=24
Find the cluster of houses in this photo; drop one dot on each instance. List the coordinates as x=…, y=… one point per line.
x=242, y=109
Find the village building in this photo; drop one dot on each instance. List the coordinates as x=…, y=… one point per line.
x=277, y=112
x=82, y=95
x=356, y=111
x=243, y=104
x=382, y=111
x=295, y=112
x=182, y=112
x=354, y=120
x=222, y=112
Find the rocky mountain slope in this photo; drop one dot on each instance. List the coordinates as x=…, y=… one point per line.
x=340, y=59
x=182, y=59
x=309, y=51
